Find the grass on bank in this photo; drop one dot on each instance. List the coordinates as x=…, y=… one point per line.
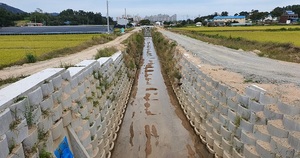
x=165, y=50
x=10, y=80
x=134, y=50
x=242, y=40
x=20, y=49
x=292, y=37
x=106, y=52
x=243, y=28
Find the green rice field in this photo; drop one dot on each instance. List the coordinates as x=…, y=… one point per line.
x=280, y=34
x=275, y=42
x=14, y=48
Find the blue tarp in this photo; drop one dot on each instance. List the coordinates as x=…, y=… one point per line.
x=63, y=150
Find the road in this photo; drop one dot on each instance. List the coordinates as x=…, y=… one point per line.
x=251, y=66
x=154, y=125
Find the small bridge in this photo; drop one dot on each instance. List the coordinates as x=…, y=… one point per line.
x=147, y=30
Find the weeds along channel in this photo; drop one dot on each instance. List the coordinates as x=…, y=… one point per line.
x=165, y=50
x=134, y=50
x=167, y=53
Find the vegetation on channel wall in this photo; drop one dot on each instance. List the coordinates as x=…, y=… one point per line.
x=134, y=50
x=165, y=50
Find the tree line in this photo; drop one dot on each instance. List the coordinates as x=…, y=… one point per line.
x=253, y=15
x=66, y=17
x=73, y=17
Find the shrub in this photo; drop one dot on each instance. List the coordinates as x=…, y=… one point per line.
x=31, y=58
x=45, y=154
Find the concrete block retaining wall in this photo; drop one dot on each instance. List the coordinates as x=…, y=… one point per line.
x=85, y=103
x=237, y=125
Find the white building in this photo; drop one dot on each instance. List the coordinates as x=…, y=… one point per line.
x=121, y=21
x=162, y=17
x=239, y=19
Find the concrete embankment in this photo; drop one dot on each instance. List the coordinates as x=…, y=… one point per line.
x=231, y=124
x=57, y=110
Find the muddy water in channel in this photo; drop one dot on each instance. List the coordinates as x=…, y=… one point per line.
x=154, y=125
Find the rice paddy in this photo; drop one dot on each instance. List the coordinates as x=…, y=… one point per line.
x=277, y=34
x=14, y=48
x=276, y=42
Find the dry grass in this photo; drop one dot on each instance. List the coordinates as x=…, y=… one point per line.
x=106, y=52
x=10, y=80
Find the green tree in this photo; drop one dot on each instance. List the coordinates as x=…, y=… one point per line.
x=38, y=17
x=256, y=15
x=183, y=22
x=244, y=13
x=189, y=21
x=277, y=12
x=224, y=13
x=6, y=18
x=145, y=22
x=198, y=19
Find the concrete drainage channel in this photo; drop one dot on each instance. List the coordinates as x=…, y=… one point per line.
x=80, y=110
x=154, y=125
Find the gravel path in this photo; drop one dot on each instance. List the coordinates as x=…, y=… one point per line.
x=251, y=66
x=28, y=69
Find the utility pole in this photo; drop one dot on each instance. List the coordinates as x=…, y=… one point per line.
x=107, y=16
x=125, y=14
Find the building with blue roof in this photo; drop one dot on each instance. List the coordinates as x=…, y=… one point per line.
x=225, y=19
x=289, y=17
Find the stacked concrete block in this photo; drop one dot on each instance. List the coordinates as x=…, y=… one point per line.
x=17, y=152
x=291, y=122
x=276, y=128
x=17, y=133
x=294, y=140
x=55, y=99
x=4, y=146
x=291, y=110
x=272, y=112
x=282, y=147
x=255, y=106
x=27, y=102
x=253, y=124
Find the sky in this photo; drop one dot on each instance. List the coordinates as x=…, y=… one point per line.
x=183, y=8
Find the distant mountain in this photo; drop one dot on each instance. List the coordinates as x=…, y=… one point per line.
x=10, y=8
